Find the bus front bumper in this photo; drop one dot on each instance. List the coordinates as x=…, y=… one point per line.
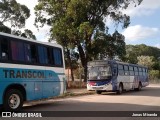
x=107, y=87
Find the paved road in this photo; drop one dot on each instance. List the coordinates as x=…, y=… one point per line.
x=146, y=100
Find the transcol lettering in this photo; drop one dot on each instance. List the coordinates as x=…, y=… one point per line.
x=23, y=74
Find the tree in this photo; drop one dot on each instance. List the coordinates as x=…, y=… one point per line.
x=4, y=28
x=146, y=61
x=15, y=14
x=144, y=50
x=80, y=19
x=26, y=34
x=61, y=37
x=133, y=51
x=106, y=45
x=131, y=54
x=154, y=74
x=71, y=60
x=156, y=65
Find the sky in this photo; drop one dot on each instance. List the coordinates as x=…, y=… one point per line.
x=143, y=29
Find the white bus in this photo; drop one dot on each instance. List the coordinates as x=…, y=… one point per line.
x=111, y=75
x=29, y=70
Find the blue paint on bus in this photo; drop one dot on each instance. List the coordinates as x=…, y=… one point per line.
x=37, y=83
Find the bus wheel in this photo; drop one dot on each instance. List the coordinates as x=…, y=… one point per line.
x=139, y=87
x=98, y=92
x=120, y=89
x=13, y=100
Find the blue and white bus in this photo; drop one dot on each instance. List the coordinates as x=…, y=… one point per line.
x=29, y=70
x=111, y=75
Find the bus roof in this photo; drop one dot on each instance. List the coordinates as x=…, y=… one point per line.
x=30, y=40
x=103, y=62
x=124, y=63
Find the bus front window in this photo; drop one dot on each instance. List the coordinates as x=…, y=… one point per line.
x=99, y=72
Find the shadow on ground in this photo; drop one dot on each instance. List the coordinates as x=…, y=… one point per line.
x=147, y=91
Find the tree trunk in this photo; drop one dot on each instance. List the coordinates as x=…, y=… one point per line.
x=70, y=63
x=72, y=75
x=83, y=61
x=85, y=73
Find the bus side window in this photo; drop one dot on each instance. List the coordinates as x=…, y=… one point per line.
x=120, y=69
x=136, y=71
x=33, y=53
x=42, y=54
x=126, y=71
x=131, y=71
x=4, y=49
x=57, y=57
x=144, y=73
x=49, y=54
x=115, y=70
x=27, y=52
x=140, y=71
x=17, y=49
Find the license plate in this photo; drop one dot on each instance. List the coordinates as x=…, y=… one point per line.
x=97, y=88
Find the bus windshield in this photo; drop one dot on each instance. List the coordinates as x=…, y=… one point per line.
x=99, y=72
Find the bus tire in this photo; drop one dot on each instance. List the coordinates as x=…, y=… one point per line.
x=98, y=92
x=139, y=87
x=13, y=100
x=120, y=89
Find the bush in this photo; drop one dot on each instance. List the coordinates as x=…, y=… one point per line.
x=154, y=75
x=76, y=84
x=78, y=73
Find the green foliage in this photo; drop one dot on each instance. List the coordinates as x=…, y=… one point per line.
x=78, y=73
x=156, y=65
x=106, y=45
x=146, y=61
x=133, y=51
x=154, y=74
x=138, y=50
x=4, y=28
x=13, y=12
x=26, y=34
x=73, y=56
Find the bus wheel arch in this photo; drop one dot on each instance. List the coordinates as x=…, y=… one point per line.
x=13, y=97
